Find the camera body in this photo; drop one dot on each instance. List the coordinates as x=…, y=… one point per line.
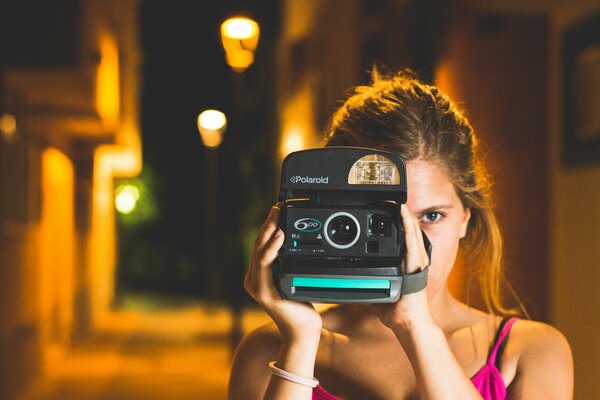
x=344, y=240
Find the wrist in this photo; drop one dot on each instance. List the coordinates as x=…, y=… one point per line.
x=415, y=328
x=303, y=341
x=305, y=334
x=299, y=355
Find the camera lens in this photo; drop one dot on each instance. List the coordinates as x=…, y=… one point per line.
x=379, y=225
x=341, y=230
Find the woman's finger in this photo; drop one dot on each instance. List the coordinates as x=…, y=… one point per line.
x=414, y=243
x=264, y=273
x=269, y=227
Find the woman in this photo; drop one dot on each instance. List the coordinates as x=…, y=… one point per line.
x=428, y=345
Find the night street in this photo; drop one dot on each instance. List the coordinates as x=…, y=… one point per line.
x=173, y=354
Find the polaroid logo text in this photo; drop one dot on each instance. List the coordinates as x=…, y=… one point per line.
x=309, y=179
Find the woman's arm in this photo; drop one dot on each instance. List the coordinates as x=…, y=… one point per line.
x=297, y=357
x=438, y=373
x=299, y=327
x=250, y=376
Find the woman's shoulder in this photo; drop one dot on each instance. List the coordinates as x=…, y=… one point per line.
x=541, y=358
x=263, y=341
x=538, y=341
x=249, y=375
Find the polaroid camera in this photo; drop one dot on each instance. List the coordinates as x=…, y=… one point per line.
x=344, y=240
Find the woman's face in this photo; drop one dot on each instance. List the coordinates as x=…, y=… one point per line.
x=433, y=200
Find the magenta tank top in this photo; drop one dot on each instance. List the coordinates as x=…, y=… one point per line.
x=487, y=381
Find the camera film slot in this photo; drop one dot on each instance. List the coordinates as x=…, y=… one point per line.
x=334, y=288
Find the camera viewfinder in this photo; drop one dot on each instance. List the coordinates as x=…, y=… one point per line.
x=379, y=225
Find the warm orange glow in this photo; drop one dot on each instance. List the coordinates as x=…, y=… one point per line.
x=239, y=28
x=57, y=238
x=211, y=124
x=457, y=281
x=292, y=140
x=110, y=161
x=8, y=127
x=107, y=81
x=297, y=123
x=211, y=119
x=239, y=36
x=102, y=238
x=118, y=160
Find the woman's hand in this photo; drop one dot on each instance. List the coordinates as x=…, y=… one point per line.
x=411, y=309
x=294, y=320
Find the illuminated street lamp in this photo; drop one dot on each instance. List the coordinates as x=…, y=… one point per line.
x=239, y=36
x=211, y=125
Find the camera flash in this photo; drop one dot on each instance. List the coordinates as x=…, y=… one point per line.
x=374, y=169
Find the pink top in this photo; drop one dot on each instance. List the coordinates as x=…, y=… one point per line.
x=487, y=381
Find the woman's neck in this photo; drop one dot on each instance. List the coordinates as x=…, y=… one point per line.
x=451, y=314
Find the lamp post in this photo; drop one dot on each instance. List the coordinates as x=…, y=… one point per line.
x=239, y=36
x=211, y=124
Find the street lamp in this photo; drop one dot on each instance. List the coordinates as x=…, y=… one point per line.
x=239, y=36
x=211, y=125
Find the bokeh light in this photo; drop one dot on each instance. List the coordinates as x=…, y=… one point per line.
x=126, y=197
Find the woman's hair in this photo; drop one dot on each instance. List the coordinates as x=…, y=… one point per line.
x=400, y=114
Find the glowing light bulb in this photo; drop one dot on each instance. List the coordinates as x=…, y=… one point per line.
x=240, y=28
x=211, y=124
x=126, y=197
x=211, y=119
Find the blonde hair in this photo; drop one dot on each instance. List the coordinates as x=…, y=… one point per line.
x=398, y=113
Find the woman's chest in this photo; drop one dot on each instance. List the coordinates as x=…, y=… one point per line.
x=366, y=370
x=379, y=369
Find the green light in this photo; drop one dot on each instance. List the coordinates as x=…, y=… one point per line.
x=295, y=243
x=335, y=283
x=126, y=197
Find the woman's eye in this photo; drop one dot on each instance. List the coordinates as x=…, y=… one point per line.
x=431, y=216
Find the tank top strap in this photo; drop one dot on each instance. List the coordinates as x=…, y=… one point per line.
x=503, y=331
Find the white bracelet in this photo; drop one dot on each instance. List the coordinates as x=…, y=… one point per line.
x=301, y=380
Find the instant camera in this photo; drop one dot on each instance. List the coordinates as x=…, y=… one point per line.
x=344, y=240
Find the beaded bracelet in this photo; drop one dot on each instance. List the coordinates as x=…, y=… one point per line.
x=301, y=380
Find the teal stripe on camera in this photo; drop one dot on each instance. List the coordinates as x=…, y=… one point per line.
x=334, y=283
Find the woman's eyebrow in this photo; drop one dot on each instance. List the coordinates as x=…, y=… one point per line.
x=440, y=207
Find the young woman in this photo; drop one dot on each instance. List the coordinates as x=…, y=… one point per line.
x=428, y=345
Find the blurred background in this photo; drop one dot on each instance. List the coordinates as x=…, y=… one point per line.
x=128, y=213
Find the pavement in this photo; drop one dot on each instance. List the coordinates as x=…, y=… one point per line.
x=181, y=353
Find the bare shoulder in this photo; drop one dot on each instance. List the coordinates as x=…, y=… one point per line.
x=250, y=373
x=543, y=361
x=264, y=340
x=537, y=340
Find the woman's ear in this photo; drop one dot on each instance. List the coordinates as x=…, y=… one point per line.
x=465, y=222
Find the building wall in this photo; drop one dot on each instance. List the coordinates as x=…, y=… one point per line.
x=495, y=68
x=77, y=128
x=317, y=63
x=575, y=238
x=57, y=257
x=20, y=356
